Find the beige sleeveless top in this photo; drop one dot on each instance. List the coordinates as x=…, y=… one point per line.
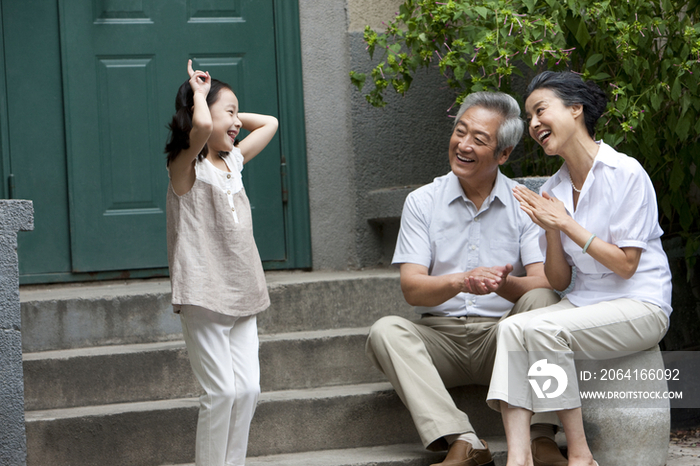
x=214, y=262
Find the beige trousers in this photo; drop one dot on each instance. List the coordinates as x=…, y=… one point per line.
x=423, y=359
x=562, y=333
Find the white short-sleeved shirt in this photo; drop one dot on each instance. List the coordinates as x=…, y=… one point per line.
x=618, y=204
x=442, y=230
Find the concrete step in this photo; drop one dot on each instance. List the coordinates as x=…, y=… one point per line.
x=292, y=421
x=411, y=454
x=160, y=371
x=138, y=311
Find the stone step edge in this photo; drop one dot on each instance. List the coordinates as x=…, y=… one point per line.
x=162, y=405
x=404, y=454
x=159, y=286
x=176, y=344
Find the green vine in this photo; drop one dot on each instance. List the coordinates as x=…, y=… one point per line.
x=645, y=54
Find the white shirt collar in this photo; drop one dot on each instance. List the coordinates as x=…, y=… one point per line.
x=500, y=190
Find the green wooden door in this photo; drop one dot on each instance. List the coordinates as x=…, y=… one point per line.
x=123, y=61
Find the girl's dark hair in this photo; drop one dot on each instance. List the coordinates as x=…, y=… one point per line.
x=572, y=90
x=181, y=124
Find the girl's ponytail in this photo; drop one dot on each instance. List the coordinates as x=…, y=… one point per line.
x=181, y=124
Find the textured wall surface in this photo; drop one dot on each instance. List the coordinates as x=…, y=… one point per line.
x=396, y=148
x=326, y=64
x=371, y=13
x=360, y=159
x=402, y=144
x=14, y=216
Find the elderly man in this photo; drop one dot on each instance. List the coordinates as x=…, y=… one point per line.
x=468, y=257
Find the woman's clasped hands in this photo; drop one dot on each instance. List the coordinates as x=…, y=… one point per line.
x=546, y=211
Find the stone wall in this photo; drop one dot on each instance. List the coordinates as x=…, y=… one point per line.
x=362, y=161
x=14, y=216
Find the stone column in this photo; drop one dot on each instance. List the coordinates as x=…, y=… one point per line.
x=14, y=216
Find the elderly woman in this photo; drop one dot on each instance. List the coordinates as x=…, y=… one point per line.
x=598, y=213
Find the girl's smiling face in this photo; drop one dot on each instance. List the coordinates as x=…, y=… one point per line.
x=225, y=122
x=550, y=122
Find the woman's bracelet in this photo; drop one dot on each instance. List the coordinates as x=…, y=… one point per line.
x=588, y=243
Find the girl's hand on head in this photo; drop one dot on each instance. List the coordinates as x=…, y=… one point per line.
x=547, y=212
x=200, y=81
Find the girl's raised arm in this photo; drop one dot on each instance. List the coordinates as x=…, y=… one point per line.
x=262, y=129
x=182, y=173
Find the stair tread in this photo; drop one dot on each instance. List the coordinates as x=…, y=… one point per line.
x=103, y=350
x=175, y=344
x=107, y=289
x=282, y=395
x=380, y=455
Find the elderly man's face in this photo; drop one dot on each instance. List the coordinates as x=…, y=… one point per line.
x=472, y=147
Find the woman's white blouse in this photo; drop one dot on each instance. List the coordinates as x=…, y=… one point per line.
x=618, y=204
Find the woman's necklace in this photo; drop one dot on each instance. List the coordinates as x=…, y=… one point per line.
x=573, y=185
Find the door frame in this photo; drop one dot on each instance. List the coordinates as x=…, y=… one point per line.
x=292, y=133
x=5, y=168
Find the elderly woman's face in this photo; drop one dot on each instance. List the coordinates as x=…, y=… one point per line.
x=550, y=122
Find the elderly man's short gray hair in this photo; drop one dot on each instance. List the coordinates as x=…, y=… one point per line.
x=512, y=126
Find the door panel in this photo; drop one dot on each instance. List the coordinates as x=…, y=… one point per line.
x=35, y=142
x=123, y=62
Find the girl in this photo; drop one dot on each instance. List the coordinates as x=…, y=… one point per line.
x=599, y=213
x=218, y=285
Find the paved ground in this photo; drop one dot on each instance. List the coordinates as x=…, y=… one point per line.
x=684, y=449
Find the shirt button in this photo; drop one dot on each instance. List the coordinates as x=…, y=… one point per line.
x=473, y=247
x=476, y=219
x=470, y=302
x=228, y=176
x=228, y=192
x=233, y=209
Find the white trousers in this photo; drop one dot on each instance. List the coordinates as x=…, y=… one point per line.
x=223, y=352
x=561, y=333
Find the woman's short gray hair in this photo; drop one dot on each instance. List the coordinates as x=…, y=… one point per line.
x=512, y=126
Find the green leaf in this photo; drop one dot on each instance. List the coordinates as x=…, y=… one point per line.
x=665, y=204
x=686, y=217
x=530, y=4
x=582, y=35
x=621, y=104
x=483, y=12
x=682, y=128
x=655, y=99
x=685, y=103
x=667, y=5
x=358, y=79
x=676, y=89
x=677, y=175
x=593, y=59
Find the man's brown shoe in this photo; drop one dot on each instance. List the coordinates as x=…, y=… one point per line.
x=545, y=452
x=461, y=453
